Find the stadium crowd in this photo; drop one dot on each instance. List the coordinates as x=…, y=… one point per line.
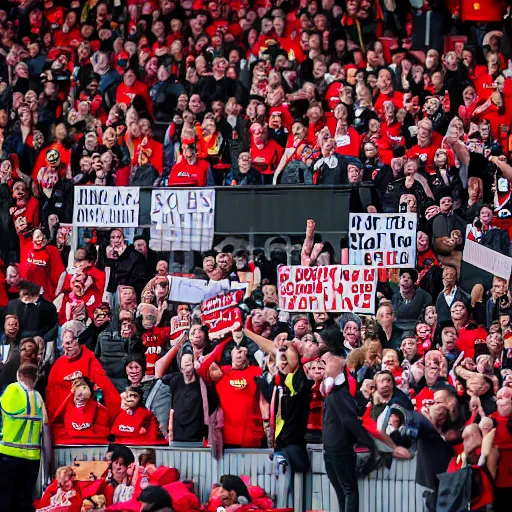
x=407, y=103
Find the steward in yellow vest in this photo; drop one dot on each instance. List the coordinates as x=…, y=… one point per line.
x=23, y=419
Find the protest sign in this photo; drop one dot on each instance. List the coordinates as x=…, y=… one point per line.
x=106, y=207
x=383, y=239
x=221, y=314
x=483, y=257
x=182, y=219
x=331, y=288
x=194, y=291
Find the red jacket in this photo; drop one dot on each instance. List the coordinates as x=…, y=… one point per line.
x=266, y=159
x=239, y=399
x=186, y=175
x=139, y=428
x=467, y=338
x=66, y=369
x=43, y=267
x=482, y=11
x=154, y=339
x=396, y=97
x=428, y=153
x=85, y=425
x=73, y=495
x=156, y=157
x=127, y=94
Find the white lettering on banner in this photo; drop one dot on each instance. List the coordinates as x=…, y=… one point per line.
x=385, y=240
x=491, y=261
x=331, y=288
x=182, y=219
x=106, y=207
x=221, y=314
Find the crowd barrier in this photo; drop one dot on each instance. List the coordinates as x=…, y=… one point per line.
x=384, y=490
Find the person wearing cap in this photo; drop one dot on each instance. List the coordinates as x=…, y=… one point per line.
x=408, y=300
x=116, y=481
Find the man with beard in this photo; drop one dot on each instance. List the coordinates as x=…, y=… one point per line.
x=190, y=171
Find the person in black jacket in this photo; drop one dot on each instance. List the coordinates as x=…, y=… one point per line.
x=342, y=429
x=127, y=266
x=37, y=316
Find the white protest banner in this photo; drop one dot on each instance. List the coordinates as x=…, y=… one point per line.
x=114, y=207
x=383, y=239
x=182, y=219
x=221, y=314
x=331, y=288
x=195, y=291
x=491, y=261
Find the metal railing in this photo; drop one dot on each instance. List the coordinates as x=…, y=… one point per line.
x=384, y=490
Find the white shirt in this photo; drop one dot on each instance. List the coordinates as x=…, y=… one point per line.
x=450, y=297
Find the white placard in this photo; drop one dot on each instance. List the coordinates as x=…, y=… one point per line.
x=114, y=207
x=492, y=261
x=182, y=219
x=383, y=239
x=195, y=291
x=331, y=288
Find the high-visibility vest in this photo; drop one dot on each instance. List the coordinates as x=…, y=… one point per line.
x=23, y=415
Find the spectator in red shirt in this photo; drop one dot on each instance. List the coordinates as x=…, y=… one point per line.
x=190, y=171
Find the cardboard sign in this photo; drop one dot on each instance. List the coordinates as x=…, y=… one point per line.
x=114, y=207
x=383, y=239
x=221, y=314
x=182, y=219
x=332, y=288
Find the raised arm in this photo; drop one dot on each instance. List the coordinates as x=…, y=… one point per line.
x=213, y=357
x=162, y=365
x=503, y=167
x=266, y=345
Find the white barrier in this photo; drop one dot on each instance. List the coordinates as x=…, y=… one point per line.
x=384, y=490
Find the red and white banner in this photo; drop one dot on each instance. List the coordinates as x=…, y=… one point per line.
x=331, y=288
x=221, y=314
